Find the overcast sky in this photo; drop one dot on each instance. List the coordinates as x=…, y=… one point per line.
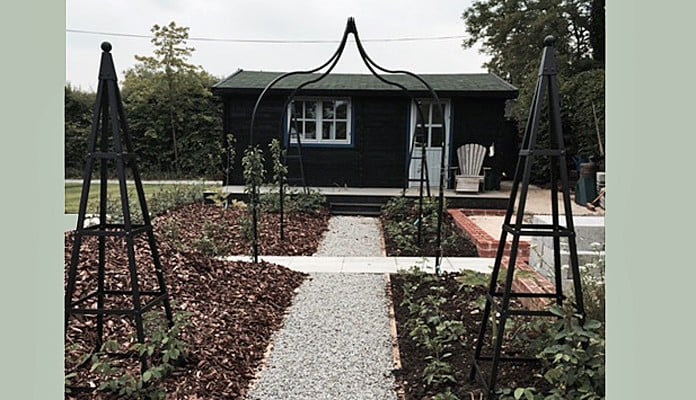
x=272, y=20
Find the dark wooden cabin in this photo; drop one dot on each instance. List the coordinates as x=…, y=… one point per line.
x=356, y=130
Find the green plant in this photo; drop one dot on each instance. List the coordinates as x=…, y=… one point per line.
x=173, y=197
x=592, y=279
x=206, y=246
x=575, y=363
x=170, y=230
x=573, y=359
x=230, y=155
x=397, y=207
x=429, y=328
x=293, y=202
x=164, y=349
x=210, y=243
x=446, y=395
x=219, y=197
x=254, y=173
x=166, y=199
x=280, y=170
x=469, y=279
x=308, y=202
x=400, y=219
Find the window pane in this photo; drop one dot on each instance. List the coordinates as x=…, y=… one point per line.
x=295, y=124
x=341, y=133
x=326, y=130
x=297, y=109
x=310, y=109
x=328, y=109
x=310, y=130
x=437, y=117
x=436, y=136
x=341, y=109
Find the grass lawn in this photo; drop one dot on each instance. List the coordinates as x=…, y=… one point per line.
x=73, y=191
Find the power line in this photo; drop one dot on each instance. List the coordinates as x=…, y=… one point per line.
x=269, y=41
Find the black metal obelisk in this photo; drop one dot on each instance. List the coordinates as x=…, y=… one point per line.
x=110, y=144
x=499, y=297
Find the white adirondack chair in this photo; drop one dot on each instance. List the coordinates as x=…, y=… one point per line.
x=471, y=157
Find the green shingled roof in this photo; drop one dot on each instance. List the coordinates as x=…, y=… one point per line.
x=470, y=84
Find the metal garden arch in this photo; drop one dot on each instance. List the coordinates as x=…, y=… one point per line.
x=372, y=67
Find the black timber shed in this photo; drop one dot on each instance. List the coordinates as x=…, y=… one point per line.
x=356, y=130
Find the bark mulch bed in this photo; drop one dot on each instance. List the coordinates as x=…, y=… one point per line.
x=234, y=306
x=461, y=305
x=194, y=224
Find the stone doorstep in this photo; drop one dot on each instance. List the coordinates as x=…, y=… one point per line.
x=486, y=245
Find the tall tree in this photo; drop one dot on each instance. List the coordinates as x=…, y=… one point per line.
x=512, y=32
x=170, y=56
x=79, y=107
x=597, y=25
x=174, y=117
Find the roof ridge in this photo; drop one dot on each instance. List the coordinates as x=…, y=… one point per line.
x=369, y=74
x=484, y=83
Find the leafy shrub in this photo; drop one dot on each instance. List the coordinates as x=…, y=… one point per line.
x=592, y=279
x=210, y=243
x=164, y=349
x=429, y=328
x=575, y=363
x=169, y=198
x=397, y=207
x=294, y=202
x=573, y=358
x=400, y=220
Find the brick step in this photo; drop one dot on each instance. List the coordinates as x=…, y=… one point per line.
x=486, y=245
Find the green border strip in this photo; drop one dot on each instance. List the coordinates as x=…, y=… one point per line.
x=31, y=286
x=650, y=142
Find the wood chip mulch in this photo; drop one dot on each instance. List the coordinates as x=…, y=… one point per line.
x=303, y=232
x=235, y=306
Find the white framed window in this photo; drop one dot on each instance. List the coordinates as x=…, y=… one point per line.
x=320, y=121
x=435, y=129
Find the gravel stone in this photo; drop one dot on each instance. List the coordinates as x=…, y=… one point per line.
x=335, y=343
x=352, y=236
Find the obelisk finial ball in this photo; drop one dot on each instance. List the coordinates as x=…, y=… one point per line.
x=106, y=46
x=549, y=40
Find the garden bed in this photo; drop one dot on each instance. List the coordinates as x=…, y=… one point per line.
x=438, y=320
x=400, y=227
x=231, y=308
x=462, y=301
x=216, y=231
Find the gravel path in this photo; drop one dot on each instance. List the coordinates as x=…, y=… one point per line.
x=352, y=236
x=335, y=343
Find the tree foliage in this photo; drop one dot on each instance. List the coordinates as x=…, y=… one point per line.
x=173, y=116
x=174, y=120
x=511, y=32
x=79, y=107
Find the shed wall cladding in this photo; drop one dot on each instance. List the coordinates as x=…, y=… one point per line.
x=238, y=110
x=376, y=158
x=477, y=120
